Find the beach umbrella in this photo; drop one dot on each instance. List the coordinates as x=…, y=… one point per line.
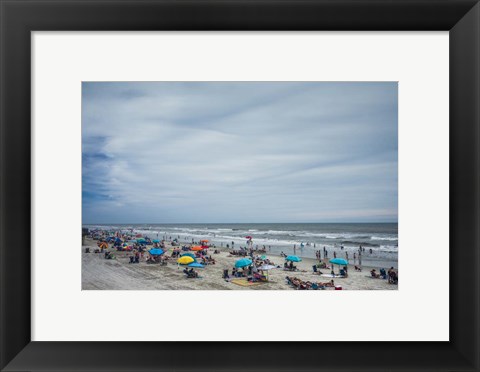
x=185, y=260
x=267, y=268
x=196, y=264
x=204, y=241
x=248, y=237
x=141, y=240
x=293, y=258
x=188, y=254
x=339, y=261
x=156, y=241
x=196, y=248
x=243, y=262
x=156, y=252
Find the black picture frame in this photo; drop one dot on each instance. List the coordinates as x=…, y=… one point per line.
x=18, y=18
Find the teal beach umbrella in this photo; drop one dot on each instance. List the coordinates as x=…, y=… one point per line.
x=243, y=262
x=293, y=258
x=339, y=261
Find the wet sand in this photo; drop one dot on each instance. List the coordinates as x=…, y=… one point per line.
x=118, y=274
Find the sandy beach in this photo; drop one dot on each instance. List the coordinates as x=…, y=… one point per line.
x=99, y=273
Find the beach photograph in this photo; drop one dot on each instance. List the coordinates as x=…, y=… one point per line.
x=239, y=186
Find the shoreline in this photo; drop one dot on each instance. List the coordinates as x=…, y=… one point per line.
x=377, y=258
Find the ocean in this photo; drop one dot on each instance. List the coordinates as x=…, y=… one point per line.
x=380, y=240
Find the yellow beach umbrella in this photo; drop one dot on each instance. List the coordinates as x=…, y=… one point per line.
x=185, y=260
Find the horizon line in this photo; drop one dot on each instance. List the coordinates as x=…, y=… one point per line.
x=217, y=223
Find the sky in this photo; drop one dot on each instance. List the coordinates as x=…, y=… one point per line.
x=246, y=152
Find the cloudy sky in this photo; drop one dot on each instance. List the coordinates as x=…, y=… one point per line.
x=206, y=152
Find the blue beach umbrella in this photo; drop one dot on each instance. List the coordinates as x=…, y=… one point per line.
x=195, y=264
x=339, y=261
x=293, y=258
x=156, y=241
x=243, y=262
x=156, y=252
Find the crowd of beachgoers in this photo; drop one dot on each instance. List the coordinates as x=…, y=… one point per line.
x=119, y=259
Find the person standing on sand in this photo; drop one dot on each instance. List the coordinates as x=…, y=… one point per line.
x=294, y=248
x=359, y=258
x=334, y=254
x=354, y=258
x=346, y=255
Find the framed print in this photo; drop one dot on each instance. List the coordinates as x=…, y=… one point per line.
x=219, y=156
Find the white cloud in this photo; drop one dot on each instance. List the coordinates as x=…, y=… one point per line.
x=234, y=152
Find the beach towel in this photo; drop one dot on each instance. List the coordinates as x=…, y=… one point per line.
x=332, y=276
x=244, y=282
